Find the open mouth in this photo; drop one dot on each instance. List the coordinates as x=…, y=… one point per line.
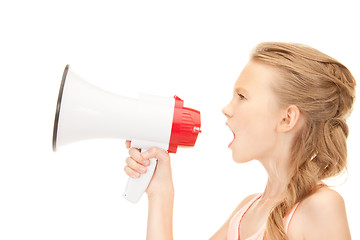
x=233, y=135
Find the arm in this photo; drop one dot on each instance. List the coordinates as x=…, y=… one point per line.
x=161, y=197
x=160, y=218
x=160, y=191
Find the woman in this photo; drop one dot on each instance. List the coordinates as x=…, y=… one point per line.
x=288, y=111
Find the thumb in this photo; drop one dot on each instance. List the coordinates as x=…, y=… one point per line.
x=161, y=155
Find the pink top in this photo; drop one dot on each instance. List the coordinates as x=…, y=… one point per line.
x=234, y=226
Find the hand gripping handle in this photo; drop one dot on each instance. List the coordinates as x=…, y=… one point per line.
x=135, y=187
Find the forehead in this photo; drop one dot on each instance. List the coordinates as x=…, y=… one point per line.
x=256, y=77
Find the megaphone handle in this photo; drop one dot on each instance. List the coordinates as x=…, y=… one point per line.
x=135, y=187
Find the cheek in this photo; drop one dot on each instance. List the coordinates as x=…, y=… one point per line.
x=257, y=122
x=256, y=135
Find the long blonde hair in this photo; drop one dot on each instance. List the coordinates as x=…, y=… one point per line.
x=324, y=91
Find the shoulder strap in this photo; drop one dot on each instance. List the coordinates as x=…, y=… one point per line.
x=289, y=216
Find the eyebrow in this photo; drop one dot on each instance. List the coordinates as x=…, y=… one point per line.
x=242, y=90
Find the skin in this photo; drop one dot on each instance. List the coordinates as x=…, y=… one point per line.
x=263, y=130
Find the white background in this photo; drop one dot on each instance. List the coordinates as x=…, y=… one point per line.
x=194, y=49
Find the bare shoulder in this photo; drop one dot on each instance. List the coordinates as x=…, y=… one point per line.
x=325, y=200
x=244, y=202
x=222, y=232
x=320, y=216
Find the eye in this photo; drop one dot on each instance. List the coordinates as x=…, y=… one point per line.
x=241, y=96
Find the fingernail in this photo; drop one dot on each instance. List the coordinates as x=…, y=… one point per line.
x=146, y=162
x=136, y=175
x=142, y=169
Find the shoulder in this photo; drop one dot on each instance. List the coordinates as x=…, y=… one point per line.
x=325, y=200
x=222, y=232
x=322, y=215
x=243, y=203
x=246, y=201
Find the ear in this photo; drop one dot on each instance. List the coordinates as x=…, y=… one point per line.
x=290, y=119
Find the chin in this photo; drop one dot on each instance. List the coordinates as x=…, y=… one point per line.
x=239, y=158
x=240, y=161
x=242, y=152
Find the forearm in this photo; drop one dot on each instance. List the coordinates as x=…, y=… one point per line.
x=160, y=218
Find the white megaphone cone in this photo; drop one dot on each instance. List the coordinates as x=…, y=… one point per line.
x=87, y=112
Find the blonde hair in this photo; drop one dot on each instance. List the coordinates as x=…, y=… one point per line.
x=324, y=91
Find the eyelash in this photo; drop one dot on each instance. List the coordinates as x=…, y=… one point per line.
x=241, y=96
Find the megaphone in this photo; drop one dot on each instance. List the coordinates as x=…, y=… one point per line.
x=85, y=111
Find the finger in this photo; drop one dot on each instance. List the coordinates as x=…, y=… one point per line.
x=135, y=154
x=128, y=144
x=131, y=173
x=157, y=153
x=135, y=166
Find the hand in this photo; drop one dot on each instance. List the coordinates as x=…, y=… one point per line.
x=161, y=184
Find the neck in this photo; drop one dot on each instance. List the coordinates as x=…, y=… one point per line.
x=275, y=189
x=278, y=169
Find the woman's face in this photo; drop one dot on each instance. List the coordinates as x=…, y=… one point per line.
x=253, y=113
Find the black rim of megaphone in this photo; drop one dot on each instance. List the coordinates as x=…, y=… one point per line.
x=58, y=106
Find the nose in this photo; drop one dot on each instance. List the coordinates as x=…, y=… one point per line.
x=227, y=111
